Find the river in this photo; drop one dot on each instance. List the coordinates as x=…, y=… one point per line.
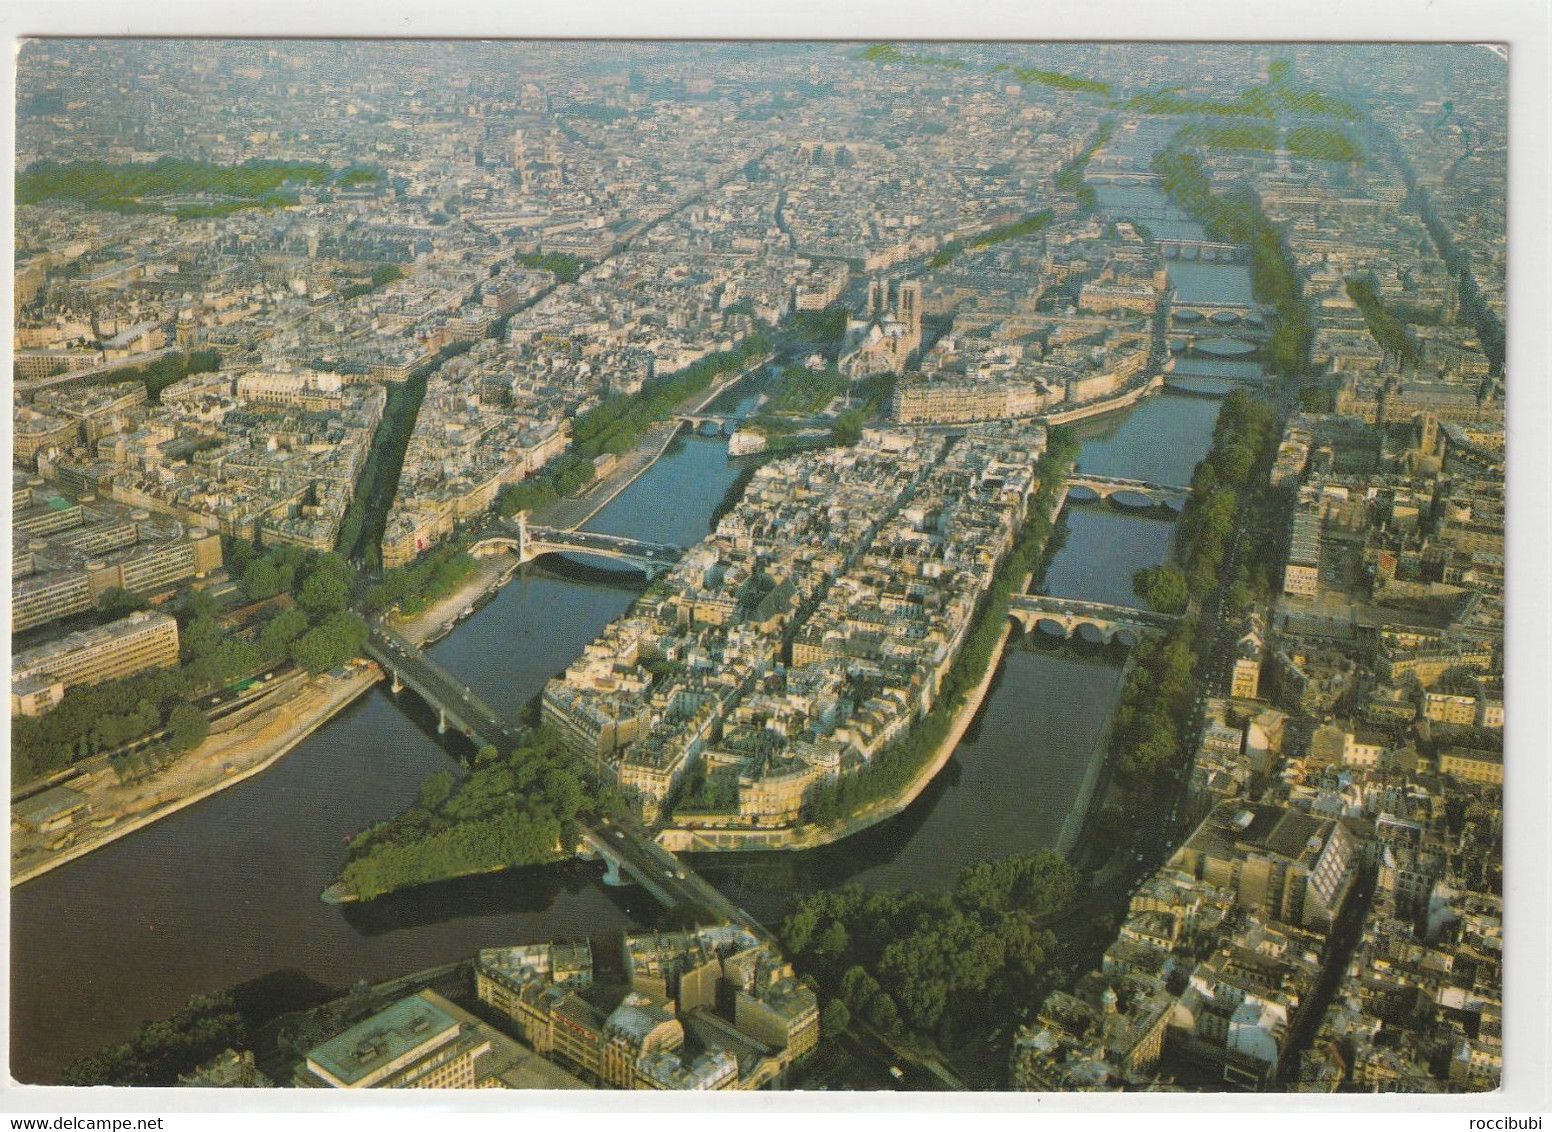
x=227, y=890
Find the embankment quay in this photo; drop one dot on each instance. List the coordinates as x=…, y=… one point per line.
x=571, y=514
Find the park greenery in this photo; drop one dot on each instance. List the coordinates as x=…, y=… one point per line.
x=799, y=394
x=889, y=53
x=814, y=332
x=1282, y=93
x=132, y=187
x=382, y=275
x=1057, y=80
x=1236, y=217
x=164, y=371
x=800, y=391
x=520, y=808
x=1028, y=226
x=565, y=267
x=143, y=721
x=1237, y=135
x=942, y=966
x=418, y=584
x=836, y=800
x=1321, y=143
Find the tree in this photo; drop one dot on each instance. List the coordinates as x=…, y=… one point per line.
x=834, y=1018
x=261, y=579
x=324, y=592
x=283, y=628
x=115, y=603
x=885, y=1016
x=434, y=791
x=1163, y=587
x=187, y=727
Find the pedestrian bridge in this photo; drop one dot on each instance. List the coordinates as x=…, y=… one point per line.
x=1159, y=494
x=1092, y=620
x=529, y=543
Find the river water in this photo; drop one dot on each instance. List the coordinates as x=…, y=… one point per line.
x=227, y=890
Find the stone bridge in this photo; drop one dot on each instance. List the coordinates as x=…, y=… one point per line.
x=1092, y=620
x=1211, y=251
x=1160, y=494
x=696, y=420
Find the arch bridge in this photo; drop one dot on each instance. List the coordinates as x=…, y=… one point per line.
x=1161, y=494
x=528, y=543
x=1108, y=622
x=1174, y=248
x=1119, y=176
x=696, y=420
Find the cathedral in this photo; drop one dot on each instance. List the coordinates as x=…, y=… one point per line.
x=888, y=334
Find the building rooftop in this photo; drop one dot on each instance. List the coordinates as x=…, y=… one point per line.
x=385, y=1037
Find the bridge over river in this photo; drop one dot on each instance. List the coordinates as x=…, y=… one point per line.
x=1107, y=622
x=531, y=542
x=1105, y=487
x=623, y=846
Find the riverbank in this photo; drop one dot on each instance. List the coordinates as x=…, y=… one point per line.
x=220, y=762
x=687, y=840
x=1099, y=408
x=434, y=622
x=1083, y=805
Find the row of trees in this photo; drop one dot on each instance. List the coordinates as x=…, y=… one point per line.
x=1237, y=217
x=1387, y=329
x=164, y=371
x=837, y=799
x=102, y=717
x=360, y=535
x=1154, y=712
x=415, y=585
x=947, y=966
x=615, y=425
x=1028, y=226
x=522, y=808
x=161, y=1050
x=1069, y=178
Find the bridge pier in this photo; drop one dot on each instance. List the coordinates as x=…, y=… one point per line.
x=612, y=872
x=398, y=684
x=441, y=721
